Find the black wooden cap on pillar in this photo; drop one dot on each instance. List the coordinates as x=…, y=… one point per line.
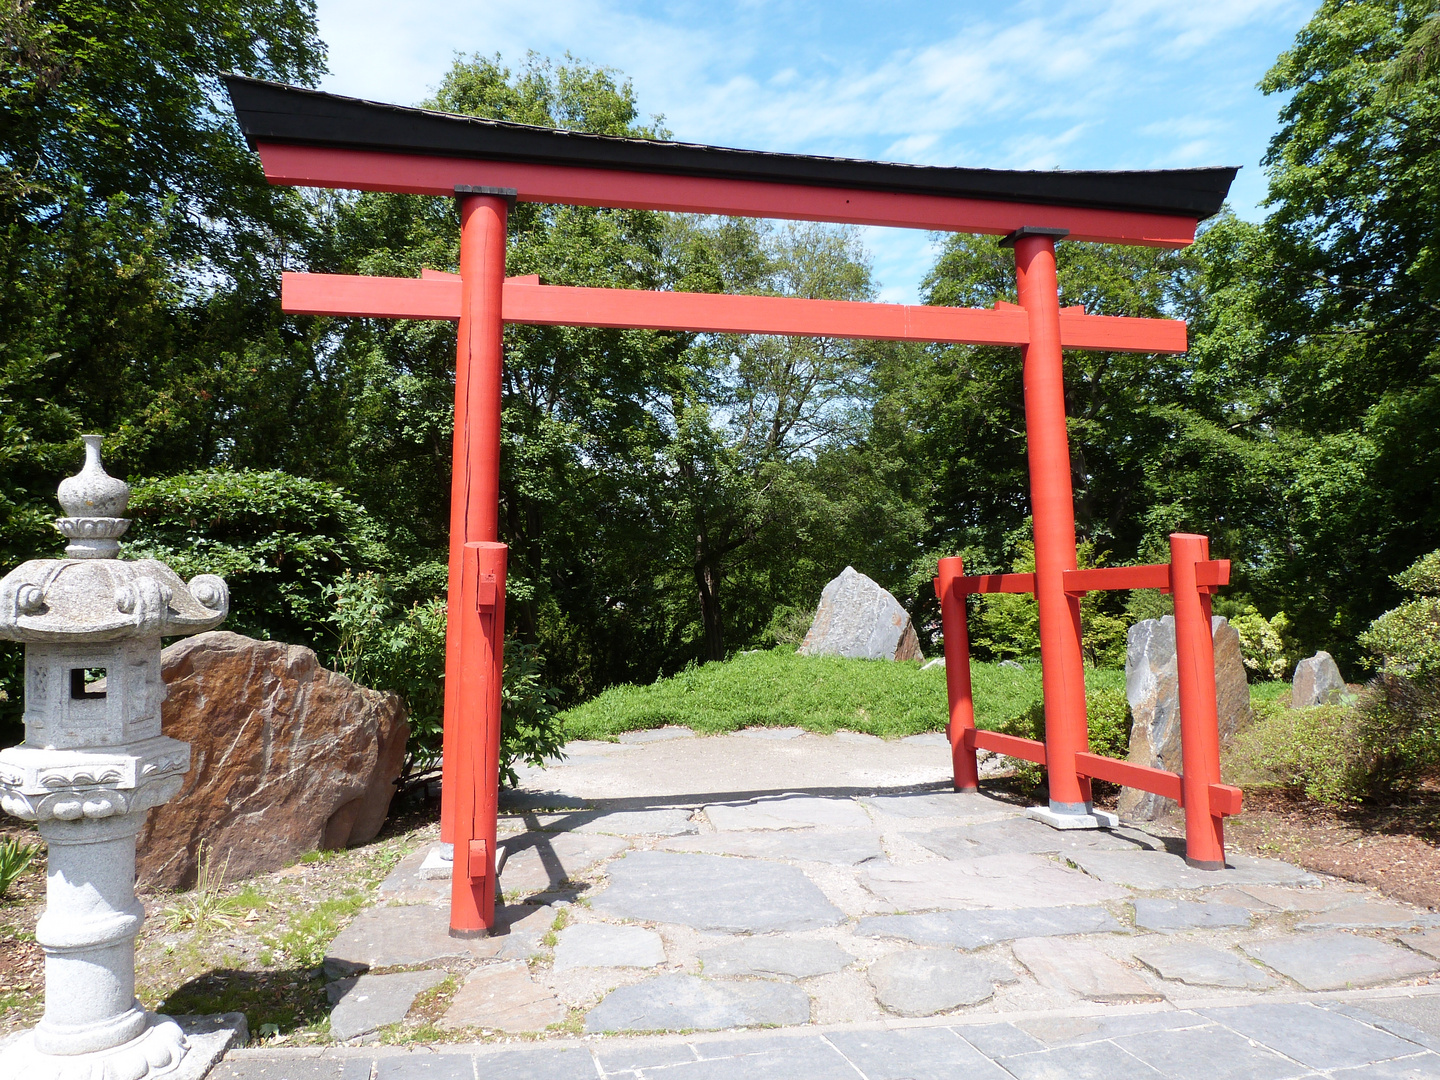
x=507, y=193
x=1033, y=230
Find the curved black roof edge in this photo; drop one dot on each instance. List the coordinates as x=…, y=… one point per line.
x=277, y=113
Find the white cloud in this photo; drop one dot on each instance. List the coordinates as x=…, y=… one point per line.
x=1086, y=84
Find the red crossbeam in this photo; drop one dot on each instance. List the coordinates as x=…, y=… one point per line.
x=421, y=174
x=437, y=296
x=1225, y=799
x=1010, y=745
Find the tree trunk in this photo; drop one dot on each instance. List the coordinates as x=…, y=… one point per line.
x=707, y=582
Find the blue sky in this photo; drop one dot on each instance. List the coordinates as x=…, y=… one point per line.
x=1089, y=84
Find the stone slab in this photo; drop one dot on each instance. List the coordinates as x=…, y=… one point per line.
x=923, y=982
x=1202, y=965
x=916, y=1053
x=1074, y=967
x=545, y=862
x=953, y=806
x=977, y=929
x=1283, y=899
x=928, y=738
x=682, y=1002
x=1427, y=943
x=775, y=957
x=1313, y=1036
x=661, y=822
x=788, y=812
x=531, y=1063
x=598, y=945
x=381, y=937
x=503, y=997
x=1210, y=1053
x=411, y=881
x=209, y=1037
x=1171, y=915
x=840, y=847
x=1154, y=870
x=777, y=734
x=1320, y=961
x=1018, y=835
x=709, y=892
x=370, y=1002
x=1095, y=819
x=994, y=881
x=1368, y=916
x=659, y=734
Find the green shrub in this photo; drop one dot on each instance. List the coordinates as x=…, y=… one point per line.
x=1342, y=754
x=388, y=644
x=1406, y=640
x=278, y=541
x=1107, y=715
x=1265, y=644
x=15, y=859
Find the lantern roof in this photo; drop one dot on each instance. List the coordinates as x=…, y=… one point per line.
x=94, y=596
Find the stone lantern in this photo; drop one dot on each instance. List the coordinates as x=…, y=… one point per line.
x=92, y=763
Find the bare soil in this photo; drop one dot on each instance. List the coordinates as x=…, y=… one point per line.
x=1393, y=847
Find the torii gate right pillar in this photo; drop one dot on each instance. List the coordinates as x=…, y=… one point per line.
x=1052, y=506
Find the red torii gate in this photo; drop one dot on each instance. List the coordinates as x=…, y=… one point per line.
x=308, y=138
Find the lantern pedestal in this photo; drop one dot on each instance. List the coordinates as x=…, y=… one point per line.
x=93, y=763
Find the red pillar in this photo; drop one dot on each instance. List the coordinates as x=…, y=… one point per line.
x=476, y=768
x=1052, y=504
x=474, y=494
x=953, y=624
x=1199, y=722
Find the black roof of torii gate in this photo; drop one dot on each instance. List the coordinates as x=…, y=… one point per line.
x=276, y=113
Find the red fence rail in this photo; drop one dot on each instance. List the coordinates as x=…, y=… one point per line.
x=1192, y=577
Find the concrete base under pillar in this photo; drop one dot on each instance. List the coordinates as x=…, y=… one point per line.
x=152, y=1054
x=1093, y=819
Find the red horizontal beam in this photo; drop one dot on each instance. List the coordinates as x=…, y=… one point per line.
x=420, y=174
x=1010, y=745
x=437, y=296
x=1158, y=781
x=995, y=583
x=1208, y=575
x=1225, y=799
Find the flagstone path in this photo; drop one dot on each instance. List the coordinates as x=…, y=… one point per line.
x=836, y=889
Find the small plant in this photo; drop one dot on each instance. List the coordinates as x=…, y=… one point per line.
x=307, y=935
x=206, y=907
x=15, y=859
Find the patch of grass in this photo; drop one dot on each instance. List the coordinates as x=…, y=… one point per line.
x=1270, y=692
x=309, y=932
x=290, y=1000
x=823, y=694
x=207, y=907
x=15, y=859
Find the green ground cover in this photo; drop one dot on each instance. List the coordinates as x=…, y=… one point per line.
x=819, y=693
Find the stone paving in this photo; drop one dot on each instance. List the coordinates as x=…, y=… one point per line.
x=836, y=889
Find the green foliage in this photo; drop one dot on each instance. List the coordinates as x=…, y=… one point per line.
x=279, y=541
x=306, y=934
x=1264, y=643
x=389, y=645
x=15, y=859
x=207, y=907
x=1405, y=641
x=1107, y=716
x=818, y=693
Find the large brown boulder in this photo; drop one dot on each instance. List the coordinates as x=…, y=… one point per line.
x=285, y=757
x=1152, y=688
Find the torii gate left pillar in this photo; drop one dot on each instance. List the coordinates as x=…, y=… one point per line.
x=475, y=639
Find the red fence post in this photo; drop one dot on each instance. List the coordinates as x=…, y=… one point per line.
x=1052, y=504
x=476, y=739
x=1199, y=722
x=953, y=624
x=475, y=454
